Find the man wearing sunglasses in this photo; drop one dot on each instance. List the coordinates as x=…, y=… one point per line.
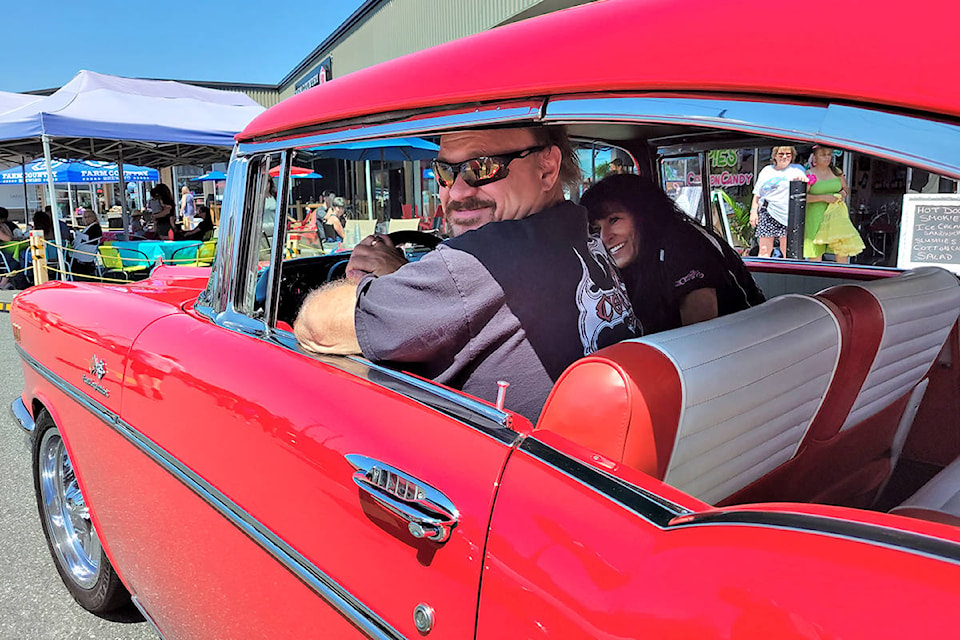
x=520, y=291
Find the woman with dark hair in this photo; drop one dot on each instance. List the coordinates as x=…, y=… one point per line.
x=677, y=272
x=162, y=208
x=204, y=228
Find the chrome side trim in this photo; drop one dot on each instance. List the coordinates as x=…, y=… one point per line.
x=896, y=539
x=502, y=418
x=669, y=516
x=316, y=580
x=654, y=509
x=24, y=419
x=486, y=419
x=472, y=116
x=915, y=141
x=146, y=615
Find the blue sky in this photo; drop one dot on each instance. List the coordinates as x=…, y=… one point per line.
x=45, y=44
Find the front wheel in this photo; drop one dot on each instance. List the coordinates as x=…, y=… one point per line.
x=70, y=533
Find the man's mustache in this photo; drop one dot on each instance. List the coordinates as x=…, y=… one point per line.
x=468, y=204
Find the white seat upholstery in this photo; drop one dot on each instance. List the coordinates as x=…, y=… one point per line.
x=708, y=408
x=919, y=309
x=752, y=382
x=938, y=500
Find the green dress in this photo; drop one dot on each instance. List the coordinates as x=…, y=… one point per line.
x=815, y=215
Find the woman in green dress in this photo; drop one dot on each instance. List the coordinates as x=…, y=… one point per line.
x=828, y=231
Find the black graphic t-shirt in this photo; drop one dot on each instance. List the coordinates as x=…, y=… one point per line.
x=517, y=300
x=689, y=258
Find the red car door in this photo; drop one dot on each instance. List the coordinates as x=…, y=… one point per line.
x=255, y=499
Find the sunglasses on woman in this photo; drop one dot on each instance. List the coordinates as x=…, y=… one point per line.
x=481, y=170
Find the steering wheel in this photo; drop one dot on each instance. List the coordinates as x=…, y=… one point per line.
x=411, y=236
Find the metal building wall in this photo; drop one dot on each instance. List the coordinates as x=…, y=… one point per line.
x=399, y=27
x=264, y=97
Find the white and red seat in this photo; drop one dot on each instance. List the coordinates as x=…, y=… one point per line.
x=801, y=399
x=709, y=408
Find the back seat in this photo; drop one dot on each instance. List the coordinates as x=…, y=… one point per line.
x=892, y=330
x=800, y=399
x=938, y=500
x=709, y=408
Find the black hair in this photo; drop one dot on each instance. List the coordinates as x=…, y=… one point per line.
x=4, y=214
x=654, y=215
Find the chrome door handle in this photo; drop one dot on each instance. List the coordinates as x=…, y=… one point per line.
x=428, y=513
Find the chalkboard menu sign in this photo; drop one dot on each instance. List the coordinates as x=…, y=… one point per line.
x=930, y=231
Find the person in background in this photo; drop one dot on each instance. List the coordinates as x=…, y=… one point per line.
x=335, y=220
x=204, y=228
x=616, y=166
x=85, y=243
x=771, y=197
x=828, y=230
x=11, y=226
x=677, y=272
x=162, y=209
x=461, y=315
x=187, y=207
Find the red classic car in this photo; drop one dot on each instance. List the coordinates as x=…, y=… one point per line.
x=787, y=471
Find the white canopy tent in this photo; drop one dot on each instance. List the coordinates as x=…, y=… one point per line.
x=103, y=117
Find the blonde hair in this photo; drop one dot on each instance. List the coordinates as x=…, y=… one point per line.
x=776, y=150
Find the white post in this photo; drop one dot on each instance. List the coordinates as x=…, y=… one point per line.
x=124, y=210
x=52, y=195
x=370, y=215
x=73, y=208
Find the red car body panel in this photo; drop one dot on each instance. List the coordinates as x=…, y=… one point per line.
x=562, y=563
x=213, y=454
x=545, y=59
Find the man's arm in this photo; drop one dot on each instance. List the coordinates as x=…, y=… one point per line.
x=325, y=323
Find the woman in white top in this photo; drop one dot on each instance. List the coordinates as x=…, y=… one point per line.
x=771, y=195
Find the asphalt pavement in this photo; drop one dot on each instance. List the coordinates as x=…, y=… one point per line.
x=34, y=604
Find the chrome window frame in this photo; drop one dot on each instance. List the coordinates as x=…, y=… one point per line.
x=892, y=136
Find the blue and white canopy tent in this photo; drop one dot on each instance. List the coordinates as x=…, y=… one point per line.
x=149, y=122
x=78, y=172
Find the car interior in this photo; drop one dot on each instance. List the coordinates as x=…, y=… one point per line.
x=840, y=390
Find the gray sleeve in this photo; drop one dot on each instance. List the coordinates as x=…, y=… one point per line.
x=427, y=311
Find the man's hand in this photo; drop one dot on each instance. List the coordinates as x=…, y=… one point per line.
x=325, y=322
x=375, y=254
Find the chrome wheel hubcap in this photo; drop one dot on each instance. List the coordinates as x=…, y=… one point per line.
x=67, y=518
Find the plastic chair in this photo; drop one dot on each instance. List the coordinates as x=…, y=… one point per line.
x=131, y=264
x=411, y=224
x=196, y=255
x=184, y=256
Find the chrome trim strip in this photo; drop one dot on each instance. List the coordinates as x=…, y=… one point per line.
x=654, y=509
x=476, y=116
x=877, y=535
x=776, y=120
x=502, y=418
x=24, y=419
x=146, y=615
x=339, y=598
x=915, y=141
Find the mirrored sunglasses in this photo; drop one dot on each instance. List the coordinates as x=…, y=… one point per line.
x=479, y=171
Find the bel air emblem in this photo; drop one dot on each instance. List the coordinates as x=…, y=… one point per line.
x=98, y=369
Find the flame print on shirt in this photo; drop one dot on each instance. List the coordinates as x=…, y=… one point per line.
x=601, y=297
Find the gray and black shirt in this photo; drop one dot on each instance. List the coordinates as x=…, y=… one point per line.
x=517, y=300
